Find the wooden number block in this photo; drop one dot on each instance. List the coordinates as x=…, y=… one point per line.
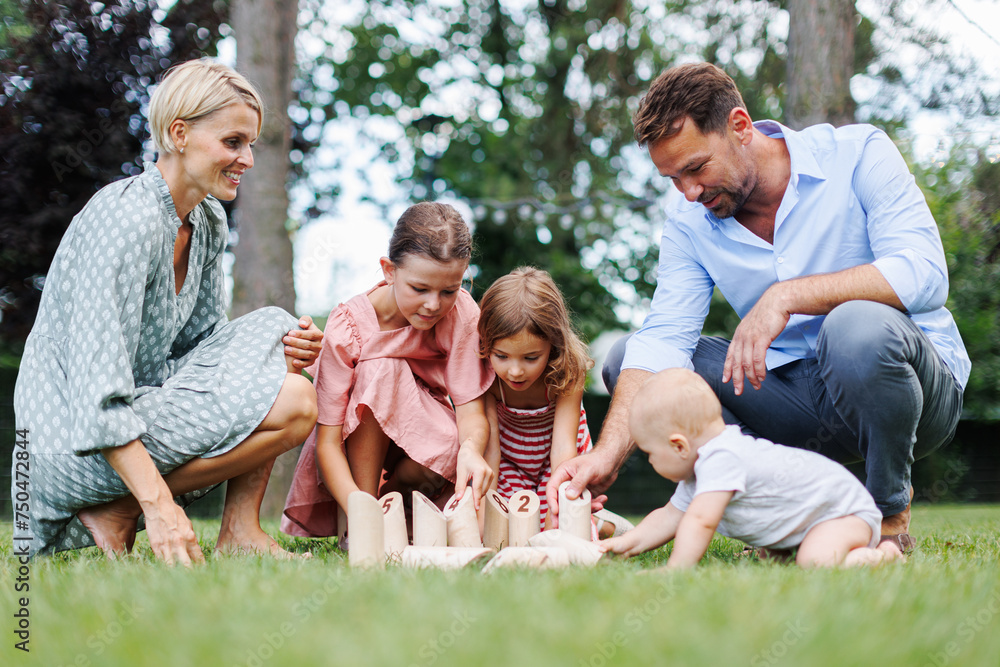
x=524, y=521
x=463, y=522
x=543, y=558
x=367, y=543
x=444, y=558
x=395, y=525
x=496, y=522
x=430, y=527
x=574, y=515
x=579, y=551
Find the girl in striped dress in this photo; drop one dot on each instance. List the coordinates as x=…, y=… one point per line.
x=535, y=410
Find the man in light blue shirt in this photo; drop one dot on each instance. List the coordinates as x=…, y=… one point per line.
x=825, y=247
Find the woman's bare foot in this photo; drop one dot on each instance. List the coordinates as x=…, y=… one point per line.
x=252, y=541
x=113, y=525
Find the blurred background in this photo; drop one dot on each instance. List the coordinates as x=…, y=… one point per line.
x=518, y=113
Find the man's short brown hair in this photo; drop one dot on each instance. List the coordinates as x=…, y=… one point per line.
x=700, y=91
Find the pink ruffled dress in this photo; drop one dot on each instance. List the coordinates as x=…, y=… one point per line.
x=409, y=379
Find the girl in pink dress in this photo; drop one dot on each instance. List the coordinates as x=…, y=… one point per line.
x=395, y=361
x=535, y=405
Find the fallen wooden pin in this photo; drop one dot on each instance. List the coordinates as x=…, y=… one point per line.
x=574, y=515
x=534, y=558
x=462, y=522
x=430, y=526
x=367, y=543
x=394, y=519
x=579, y=551
x=524, y=519
x=444, y=558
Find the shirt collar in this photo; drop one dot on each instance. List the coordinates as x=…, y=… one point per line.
x=803, y=162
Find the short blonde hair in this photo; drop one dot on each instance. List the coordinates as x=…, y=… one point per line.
x=193, y=90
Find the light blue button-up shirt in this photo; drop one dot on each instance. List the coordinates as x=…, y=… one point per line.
x=851, y=200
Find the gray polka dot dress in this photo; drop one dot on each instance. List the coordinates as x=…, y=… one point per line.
x=115, y=354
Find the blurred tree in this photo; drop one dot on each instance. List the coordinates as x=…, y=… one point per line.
x=12, y=23
x=524, y=111
x=964, y=194
x=73, y=79
x=262, y=275
x=265, y=37
x=820, y=62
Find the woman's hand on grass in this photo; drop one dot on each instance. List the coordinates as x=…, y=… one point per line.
x=171, y=534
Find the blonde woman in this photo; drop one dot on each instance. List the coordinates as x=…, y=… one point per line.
x=134, y=389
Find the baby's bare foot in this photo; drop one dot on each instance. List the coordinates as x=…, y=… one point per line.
x=113, y=526
x=866, y=556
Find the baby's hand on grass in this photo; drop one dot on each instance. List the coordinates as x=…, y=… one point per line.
x=625, y=545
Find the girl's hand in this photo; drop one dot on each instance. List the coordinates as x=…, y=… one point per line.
x=302, y=345
x=472, y=464
x=171, y=535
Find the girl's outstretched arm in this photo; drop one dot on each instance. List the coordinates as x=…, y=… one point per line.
x=565, y=431
x=565, y=428
x=331, y=458
x=473, y=434
x=493, y=445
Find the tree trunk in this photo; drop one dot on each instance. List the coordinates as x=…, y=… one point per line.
x=265, y=38
x=820, y=62
x=262, y=276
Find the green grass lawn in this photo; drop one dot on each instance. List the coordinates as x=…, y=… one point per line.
x=940, y=608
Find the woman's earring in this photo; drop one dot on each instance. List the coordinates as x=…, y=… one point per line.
x=182, y=150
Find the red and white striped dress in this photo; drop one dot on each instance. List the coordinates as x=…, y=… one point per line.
x=526, y=445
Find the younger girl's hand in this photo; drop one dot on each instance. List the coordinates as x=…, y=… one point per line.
x=472, y=464
x=302, y=345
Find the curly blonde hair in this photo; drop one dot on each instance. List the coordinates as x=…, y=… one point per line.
x=527, y=299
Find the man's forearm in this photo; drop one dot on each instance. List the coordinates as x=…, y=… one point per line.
x=821, y=293
x=615, y=441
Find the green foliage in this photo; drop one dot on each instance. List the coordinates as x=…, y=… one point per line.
x=74, y=77
x=964, y=193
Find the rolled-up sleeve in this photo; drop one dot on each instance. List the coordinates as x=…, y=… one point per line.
x=680, y=304
x=904, y=236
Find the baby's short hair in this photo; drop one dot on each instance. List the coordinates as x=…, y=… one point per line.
x=676, y=400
